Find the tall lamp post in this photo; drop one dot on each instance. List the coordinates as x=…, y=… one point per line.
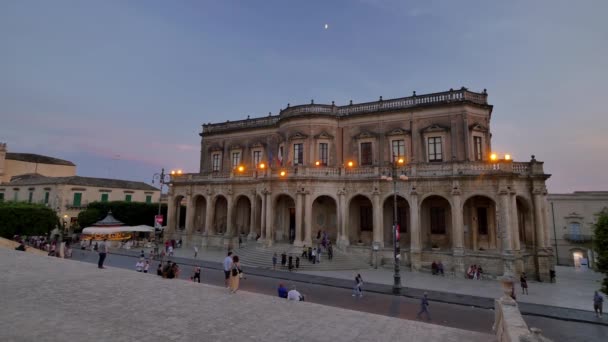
x=162, y=179
x=397, y=162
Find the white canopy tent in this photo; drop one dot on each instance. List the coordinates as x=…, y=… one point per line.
x=121, y=229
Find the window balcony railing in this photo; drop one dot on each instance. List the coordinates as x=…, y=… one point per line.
x=578, y=238
x=413, y=170
x=77, y=206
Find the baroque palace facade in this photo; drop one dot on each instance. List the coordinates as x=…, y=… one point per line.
x=322, y=167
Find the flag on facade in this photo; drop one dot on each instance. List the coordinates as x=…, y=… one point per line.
x=280, y=156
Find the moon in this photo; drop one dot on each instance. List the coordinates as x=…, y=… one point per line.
x=326, y=26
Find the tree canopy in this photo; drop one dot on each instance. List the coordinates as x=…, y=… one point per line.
x=600, y=239
x=18, y=218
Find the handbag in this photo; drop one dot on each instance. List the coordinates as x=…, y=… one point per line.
x=241, y=274
x=235, y=272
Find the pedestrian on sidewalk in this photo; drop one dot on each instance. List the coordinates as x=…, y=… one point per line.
x=234, y=274
x=142, y=254
x=309, y=254
x=197, y=275
x=297, y=263
x=358, y=289
x=283, y=259
x=195, y=252
x=314, y=256
x=139, y=266
x=523, y=280
x=304, y=252
x=319, y=254
x=170, y=250
x=227, y=268
x=146, y=266
x=424, y=304
x=598, y=301
x=290, y=263
x=274, y=261
x=103, y=252
x=330, y=251
x=159, y=269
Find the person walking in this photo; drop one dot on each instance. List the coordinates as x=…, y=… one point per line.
x=159, y=269
x=195, y=252
x=146, y=266
x=274, y=261
x=227, y=269
x=170, y=250
x=523, y=280
x=598, y=301
x=283, y=259
x=103, y=252
x=424, y=304
x=234, y=274
x=297, y=263
x=330, y=251
x=314, y=256
x=319, y=254
x=197, y=275
x=290, y=263
x=358, y=289
x=304, y=252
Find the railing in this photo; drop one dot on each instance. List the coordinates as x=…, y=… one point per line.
x=352, y=109
x=578, y=238
x=78, y=206
x=414, y=170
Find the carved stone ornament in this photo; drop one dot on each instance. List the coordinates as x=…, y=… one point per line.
x=434, y=128
x=365, y=135
x=478, y=128
x=297, y=136
x=236, y=147
x=324, y=135
x=257, y=144
x=215, y=148
x=397, y=131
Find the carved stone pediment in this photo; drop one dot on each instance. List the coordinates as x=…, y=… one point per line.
x=324, y=135
x=365, y=135
x=478, y=127
x=215, y=148
x=574, y=215
x=434, y=128
x=236, y=147
x=397, y=131
x=297, y=136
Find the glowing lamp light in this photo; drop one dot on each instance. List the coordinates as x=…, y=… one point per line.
x=507, y=157
x=317, y=163
x=350, y=164
x=400, y=161
x=179, y=172
x=282, y=173
x=241, y=168
x=173, y=172
x=262, y=166
x=493, y=157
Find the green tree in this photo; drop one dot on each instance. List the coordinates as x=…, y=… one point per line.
x=17, y=218
x=600, y=239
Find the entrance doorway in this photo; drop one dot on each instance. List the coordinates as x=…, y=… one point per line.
x=578, y=256
x=292, y=224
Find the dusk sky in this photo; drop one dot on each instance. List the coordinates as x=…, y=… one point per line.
x=121, y=88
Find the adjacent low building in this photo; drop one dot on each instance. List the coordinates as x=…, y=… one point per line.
x=14, y=164
x=70, y=195
x=573, y=217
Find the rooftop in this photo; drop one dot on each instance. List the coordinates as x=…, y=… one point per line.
x=37, y=179
x=37, y=158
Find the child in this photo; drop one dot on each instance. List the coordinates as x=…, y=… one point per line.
x=146, y=266
x=197, y=274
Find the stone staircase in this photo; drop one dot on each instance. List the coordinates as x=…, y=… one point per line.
x=257, y=255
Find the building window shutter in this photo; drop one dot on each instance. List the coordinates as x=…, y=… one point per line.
x=104, y=197
x=128, y=198
x=46, y=197
x=148, y=199
x=77, y=199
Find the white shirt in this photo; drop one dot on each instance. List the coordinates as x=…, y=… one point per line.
x=139, y=266
x=227, y=263
x=293, y=295
x=196, y=249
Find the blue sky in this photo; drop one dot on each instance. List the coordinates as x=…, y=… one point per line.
x=122, y=87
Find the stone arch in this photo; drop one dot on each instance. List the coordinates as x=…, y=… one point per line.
x=220, y=214
x=436, y=222
x=525, y=223
x=360, y=222
x=325, y=216
x=241, y=214
x=199, y=208
x=403, y=219
x=180, y=212
x=284, y=227
x=480, y=224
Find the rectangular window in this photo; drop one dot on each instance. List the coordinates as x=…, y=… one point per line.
x=104, y=197
x=477, y=148
x=366, y=219
x=16, y=196
x=437, y=220
x=215, y=162
x=46, y=197
x=1, y=197
x=30, y=197
x=257, y=158
x=323, y=157
x=366, y=153
x=435, y=149
x=236, y=159
x=77, y=199
x=398, y=149
x=128, y=198
x=148, y=199
x=298, y=154
x=482, y=221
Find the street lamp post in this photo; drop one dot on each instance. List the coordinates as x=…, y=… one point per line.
x=396, y=247
x=162, y=178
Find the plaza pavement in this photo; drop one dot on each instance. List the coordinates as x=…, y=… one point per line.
x=52, y=299
x=573, y=289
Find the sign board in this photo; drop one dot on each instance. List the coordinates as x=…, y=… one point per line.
x=158, y=221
